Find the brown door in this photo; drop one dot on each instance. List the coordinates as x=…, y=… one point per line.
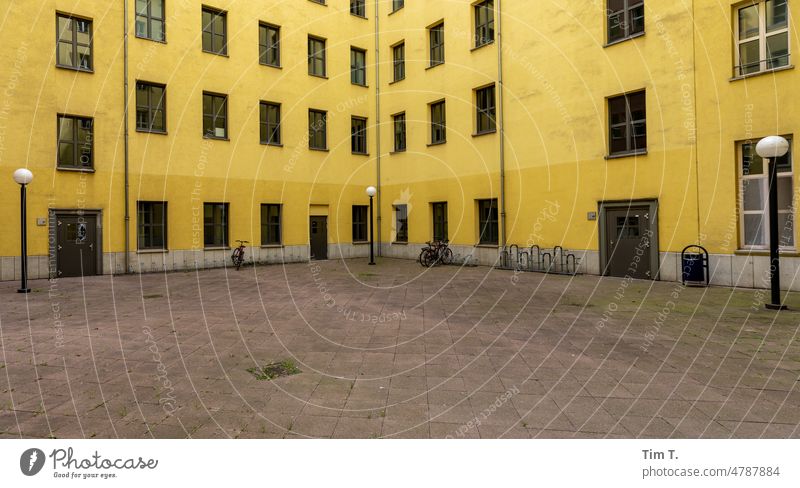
x=76, y=248
x=319, y=238
x=629, y=245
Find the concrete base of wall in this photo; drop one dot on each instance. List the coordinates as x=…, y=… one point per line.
x=726, y=269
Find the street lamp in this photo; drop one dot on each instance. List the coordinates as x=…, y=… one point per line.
x=23, y=177
x=771, y=148
x=371, y=192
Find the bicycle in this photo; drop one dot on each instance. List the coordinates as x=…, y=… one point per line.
x=238, y=254
x=437, y=252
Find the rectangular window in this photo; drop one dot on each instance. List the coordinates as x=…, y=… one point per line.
x=397, y=5
x=487, y=222
x=150, y=20
x=440, y=221
x=399, y=61
x=358, y=7
x=151, y=114
x=269, y=45
x=215, y=224
x=316, y=56
x=360, y=219
x=270, y=123
x=358, y=66
x=762, y=30
x=215, y=116
x=438, y=123
x=74, y=41
x=436, y=37
x=75, y=142
x=270, y=224
x=317, y=130
x=152, y=225
x=625, y=19
x=401, y=223
x=358, y=135
x=399, y=122
x=484, y=23
x=215, y=31
x=627, y=118
x=485, y=117
x=754, y=198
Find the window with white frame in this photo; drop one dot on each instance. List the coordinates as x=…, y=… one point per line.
x=754, y=198
x=762, y=36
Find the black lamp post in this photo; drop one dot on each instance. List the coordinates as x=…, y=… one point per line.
x=371, y=192
x=23, y=176
x=771, y=148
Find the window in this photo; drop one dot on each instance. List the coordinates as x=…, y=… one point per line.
x=627, y=123
x=270, y=121
x=75, y=142
x=360, y=223
x=358, y=7
x=438, y=123
x=625, y=19
x=152, y=224
x=485, y=110
x=487, y=222
x=215, y=116
x=762, y=36
x=317, y=130
x=401, y=223
x=397, y=5
x=151, y=115
x=399, y=61
x=754, y=198
x=358, y=66
x=150, y=19
x=358, y=135
x=399, y=121
x=270, y=224
x=436, y=35
x=440, y=221
x=316, y=56
x=215, y=31
x=269, y=45
x=74, y=43
x=215, y=224
x=484, y=23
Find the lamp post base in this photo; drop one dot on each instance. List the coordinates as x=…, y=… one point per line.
x=24, y=290
x=772, y=306
x=372, y=264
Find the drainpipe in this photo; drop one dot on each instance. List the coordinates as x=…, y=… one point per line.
x=378, y=119
x=501, y=125
x=127, y=183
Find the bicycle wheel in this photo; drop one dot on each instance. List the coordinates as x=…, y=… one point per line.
x=447, y=256
x=422, y=256
x=237, y=257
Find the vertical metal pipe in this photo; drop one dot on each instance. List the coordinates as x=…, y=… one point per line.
x=371, y=233
x=378, y=116
x=501, y=124
x=774, y=239
x=126, y=136
x=23, y=242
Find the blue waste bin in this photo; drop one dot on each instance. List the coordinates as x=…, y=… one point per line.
x=694, y=266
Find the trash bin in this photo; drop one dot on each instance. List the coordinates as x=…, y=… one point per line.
x=694, y=266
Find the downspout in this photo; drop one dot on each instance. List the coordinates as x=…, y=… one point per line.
x=501, y=125
x=127, y=182
x=378, y=120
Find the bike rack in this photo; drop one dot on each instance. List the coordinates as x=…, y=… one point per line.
x=537, y=260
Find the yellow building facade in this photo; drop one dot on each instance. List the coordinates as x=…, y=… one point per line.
x=617, y=129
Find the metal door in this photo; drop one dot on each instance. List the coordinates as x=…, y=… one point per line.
x=319, y=238
x=76, y=245
x=629, y=242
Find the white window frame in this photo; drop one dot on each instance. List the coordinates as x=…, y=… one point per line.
x=764, y=183
x=762, y=38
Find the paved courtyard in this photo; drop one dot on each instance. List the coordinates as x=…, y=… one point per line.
x=394, y=351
